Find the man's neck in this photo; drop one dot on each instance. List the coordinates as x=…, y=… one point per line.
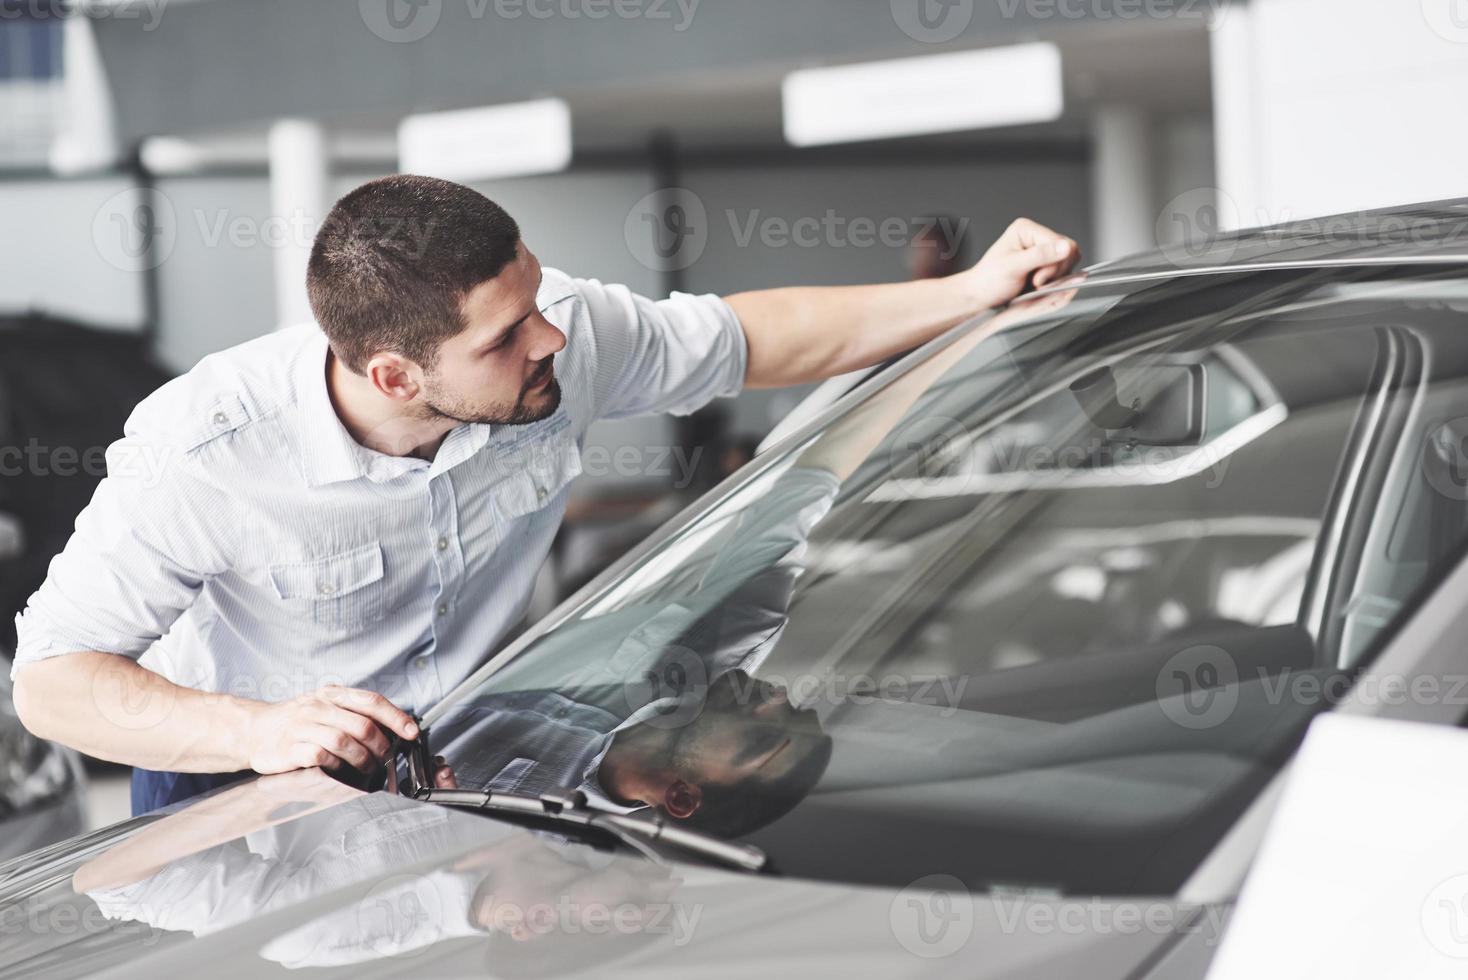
x=374, y=422
x=631, y=770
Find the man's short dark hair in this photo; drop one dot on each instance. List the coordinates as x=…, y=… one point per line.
x=394, y=260
x=751, y=804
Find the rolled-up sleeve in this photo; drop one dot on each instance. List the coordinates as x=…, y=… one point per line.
x=153, y=532
x=673, y=356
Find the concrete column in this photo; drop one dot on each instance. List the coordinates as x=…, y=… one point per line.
x=1122, y=181
x=299, y=200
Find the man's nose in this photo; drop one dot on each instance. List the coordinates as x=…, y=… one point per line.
x=548, y=340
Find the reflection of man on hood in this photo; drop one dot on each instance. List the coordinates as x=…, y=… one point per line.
x=517, y=890
x=253, y=850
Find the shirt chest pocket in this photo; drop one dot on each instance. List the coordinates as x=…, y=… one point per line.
x=542, y=474
x=339, y=591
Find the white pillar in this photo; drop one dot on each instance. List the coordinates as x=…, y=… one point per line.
x=1238, y=112
x=299, y=200
x=1124, y=214
x=86, y=139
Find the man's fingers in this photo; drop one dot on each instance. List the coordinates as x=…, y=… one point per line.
x=339, y=744
x=1048, y=260
x=444, y=778
x=374, y=706
x=359, y=727
x=308, y=755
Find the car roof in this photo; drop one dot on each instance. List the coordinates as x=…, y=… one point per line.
x=1433, y=233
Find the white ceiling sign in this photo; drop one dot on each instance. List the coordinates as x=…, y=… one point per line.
x=942, y=93
x=480, y=144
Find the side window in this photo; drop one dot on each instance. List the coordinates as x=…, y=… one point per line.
x=1412, y=508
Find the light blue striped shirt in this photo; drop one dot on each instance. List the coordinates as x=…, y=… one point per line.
x=243, y=543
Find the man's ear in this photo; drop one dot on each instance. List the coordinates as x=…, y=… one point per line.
x=393, y=375
x=682, y=800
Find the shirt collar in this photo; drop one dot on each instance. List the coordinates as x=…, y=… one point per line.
x=329, y=454
x=327, y=451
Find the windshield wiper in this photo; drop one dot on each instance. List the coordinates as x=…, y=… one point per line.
x=569, y=807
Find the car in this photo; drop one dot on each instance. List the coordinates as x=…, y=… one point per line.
x=42, y=786
x=992, y=664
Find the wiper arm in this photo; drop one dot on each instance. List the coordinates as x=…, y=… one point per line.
x=569, y=807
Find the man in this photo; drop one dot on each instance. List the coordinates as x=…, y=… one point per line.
x=310, y=536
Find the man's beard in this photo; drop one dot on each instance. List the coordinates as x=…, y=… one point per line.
x=517, y=414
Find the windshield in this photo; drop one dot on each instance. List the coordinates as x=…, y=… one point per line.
x=1034, y=607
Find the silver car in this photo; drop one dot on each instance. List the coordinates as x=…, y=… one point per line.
x=992, y=666
x=42, y=785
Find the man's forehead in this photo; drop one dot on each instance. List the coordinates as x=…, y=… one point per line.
x=500, y=301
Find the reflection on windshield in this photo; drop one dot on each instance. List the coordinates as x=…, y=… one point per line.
x=653, y=705
x=1029, y=605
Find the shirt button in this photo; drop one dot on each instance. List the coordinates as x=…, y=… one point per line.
x=443, y=544
x=443, y=609
x=220, y=418
x=421, y=663
x=325, y=588
x=540, y=494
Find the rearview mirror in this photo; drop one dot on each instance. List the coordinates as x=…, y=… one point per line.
x=1147, y=404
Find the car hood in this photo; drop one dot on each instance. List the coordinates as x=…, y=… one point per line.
x=297, y=872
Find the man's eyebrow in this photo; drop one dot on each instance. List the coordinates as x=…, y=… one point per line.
x=499, y=337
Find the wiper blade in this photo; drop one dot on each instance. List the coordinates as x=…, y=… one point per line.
x=569, y=807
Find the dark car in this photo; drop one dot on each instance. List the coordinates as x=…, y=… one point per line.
x=993, y=667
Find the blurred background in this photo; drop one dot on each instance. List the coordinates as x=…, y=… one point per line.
x=164, y=165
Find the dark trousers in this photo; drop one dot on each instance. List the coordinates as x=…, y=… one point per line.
x=154, y=790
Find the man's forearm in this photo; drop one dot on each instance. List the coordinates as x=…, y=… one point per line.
x=801, y=335
x=112, y=708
